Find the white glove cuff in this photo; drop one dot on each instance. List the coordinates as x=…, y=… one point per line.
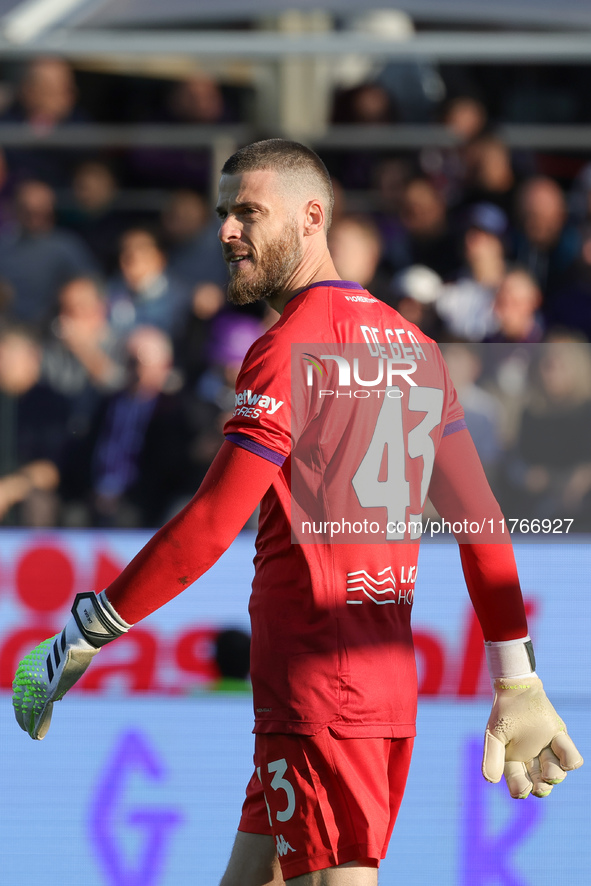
x=97, y=620
x=510, y=658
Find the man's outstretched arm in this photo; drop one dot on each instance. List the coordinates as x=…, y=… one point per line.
x=180, y=552
x=191, y=542
x=525, y=738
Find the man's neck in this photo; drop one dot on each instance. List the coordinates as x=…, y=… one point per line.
x=305, y=275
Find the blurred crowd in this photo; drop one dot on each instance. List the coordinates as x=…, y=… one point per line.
x=119, y=352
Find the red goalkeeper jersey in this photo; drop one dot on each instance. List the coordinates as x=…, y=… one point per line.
x=353, y=402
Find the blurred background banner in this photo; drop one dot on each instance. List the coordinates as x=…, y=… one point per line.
x=141, y=777
x=173, y=651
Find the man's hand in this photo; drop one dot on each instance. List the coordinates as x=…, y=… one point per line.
x=45, y=674
x=525, y=739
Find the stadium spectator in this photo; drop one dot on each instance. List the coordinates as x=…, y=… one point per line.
x=415, y=292
x=94, y=187
x=46, y=99
x=37, y=258
x=145, y=292
x=550, y=468
x=190, y=237
x=465, y=118
x=414, y=84
x=390, y=179
x=46, y=96
x=368, y=104
x=94, y=212
x=571, y=305
x=466, y=305
x=82, y=356
x=365, y=104
x=391, y=176
x=429, y=239
x=510, y=349
x=482, y=410
x=34, y=422
x=192, y=346
x=516, y=309
x=137, y=466
x=489, y=176
x=356, y=248
x=198, y=100
x=546, y=243
x=230, y=336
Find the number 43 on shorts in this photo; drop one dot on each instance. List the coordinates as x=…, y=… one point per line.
x=277, y=769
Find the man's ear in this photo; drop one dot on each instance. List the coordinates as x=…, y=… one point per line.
x=314, y=218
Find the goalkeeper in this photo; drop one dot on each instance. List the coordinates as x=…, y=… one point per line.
x=334, y=685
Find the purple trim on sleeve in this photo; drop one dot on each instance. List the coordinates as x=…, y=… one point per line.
x=452, y=427
x=256, y=448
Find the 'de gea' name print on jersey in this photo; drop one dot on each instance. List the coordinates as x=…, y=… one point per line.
x=401, y=343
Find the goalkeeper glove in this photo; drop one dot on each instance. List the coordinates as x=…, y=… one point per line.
x=525, y=738
x=46, y=673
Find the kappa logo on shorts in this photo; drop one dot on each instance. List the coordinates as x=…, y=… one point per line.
x=283, y=846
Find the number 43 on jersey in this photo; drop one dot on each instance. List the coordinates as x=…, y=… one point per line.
x=393, y=492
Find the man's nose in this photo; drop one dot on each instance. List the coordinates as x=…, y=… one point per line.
x=229, y=229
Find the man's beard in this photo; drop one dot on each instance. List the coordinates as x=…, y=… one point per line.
x=276, y=263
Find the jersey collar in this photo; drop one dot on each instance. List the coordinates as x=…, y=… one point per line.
x=336, y=284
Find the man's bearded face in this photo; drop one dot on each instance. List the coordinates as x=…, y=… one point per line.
x=260, y=274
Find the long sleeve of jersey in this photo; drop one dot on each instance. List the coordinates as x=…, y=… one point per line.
x=191, y=542
x=460, y=492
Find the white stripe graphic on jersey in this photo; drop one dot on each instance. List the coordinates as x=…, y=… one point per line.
x=360, y=580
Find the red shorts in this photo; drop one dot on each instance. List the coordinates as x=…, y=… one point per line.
x=326, y=800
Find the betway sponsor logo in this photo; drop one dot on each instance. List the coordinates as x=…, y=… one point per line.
x=258, y=402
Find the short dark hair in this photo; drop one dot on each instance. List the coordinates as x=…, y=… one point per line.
x=287, y=157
